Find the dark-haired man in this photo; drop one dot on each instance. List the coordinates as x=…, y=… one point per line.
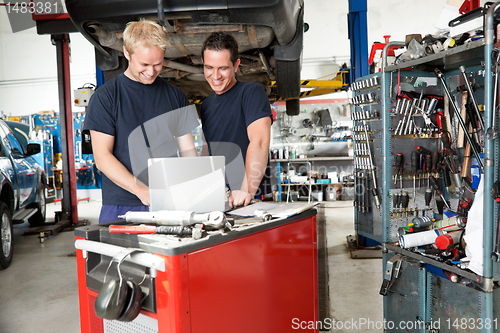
x=236, y=119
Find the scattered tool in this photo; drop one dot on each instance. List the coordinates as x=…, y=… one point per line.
x=263, y=214
x=195, y=232
x=216, y=220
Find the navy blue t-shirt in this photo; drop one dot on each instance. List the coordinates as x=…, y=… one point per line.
x=144, y=120
x=225, y=119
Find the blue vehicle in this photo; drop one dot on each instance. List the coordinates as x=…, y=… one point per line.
x=22, y=181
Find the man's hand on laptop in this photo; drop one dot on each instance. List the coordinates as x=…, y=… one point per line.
x=142, y=192
x=240, y=198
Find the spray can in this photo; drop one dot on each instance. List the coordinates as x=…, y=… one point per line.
x=422, y=221
x=452, y=223
x=443, y=242
x=419, y=238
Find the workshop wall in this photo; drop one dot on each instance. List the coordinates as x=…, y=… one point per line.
x=28, y=72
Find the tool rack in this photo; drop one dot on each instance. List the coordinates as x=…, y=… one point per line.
x=418, y=289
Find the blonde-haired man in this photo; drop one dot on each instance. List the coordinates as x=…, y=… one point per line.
x=134, y=116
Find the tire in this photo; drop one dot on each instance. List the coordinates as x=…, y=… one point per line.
x=6, y=236
x=38, y=218
x=288, y=78
x=293, y=107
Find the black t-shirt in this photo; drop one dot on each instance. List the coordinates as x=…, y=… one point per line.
x=225, y=119
x=144, y=120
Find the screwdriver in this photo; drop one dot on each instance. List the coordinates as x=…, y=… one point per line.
x=438, y=192
x=428, y=163
x=435, y=160
x=399, y=166
x=421, y=161
x=405, y=199
x=423, y=150
x=396, y=200
x=446, y=178
x=428, y=197
x=414, y=167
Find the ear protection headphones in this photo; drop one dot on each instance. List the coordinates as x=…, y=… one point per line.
x=119, y=299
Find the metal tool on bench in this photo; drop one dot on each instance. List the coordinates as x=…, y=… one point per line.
x=216, y=220
x=263, y=214
x=195, y=232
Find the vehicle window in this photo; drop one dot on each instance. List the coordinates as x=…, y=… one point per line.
x=21, y=137
x=10, y=140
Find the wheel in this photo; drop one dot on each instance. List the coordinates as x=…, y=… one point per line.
x=39, y=217
x=292, y=107
x=288, y=78
x=6, y=244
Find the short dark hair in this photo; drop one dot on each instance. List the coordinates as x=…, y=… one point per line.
x=218, y=41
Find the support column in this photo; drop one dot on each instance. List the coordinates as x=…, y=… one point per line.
x=69, y=201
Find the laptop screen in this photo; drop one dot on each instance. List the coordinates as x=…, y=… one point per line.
x=187, y=183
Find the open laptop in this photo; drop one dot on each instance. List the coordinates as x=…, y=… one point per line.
x=187, y=184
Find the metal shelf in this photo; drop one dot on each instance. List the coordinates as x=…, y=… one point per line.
x=453, y=269
x=468, y=54
x=313, y=159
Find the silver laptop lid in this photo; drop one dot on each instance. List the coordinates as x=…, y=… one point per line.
x=187, y=183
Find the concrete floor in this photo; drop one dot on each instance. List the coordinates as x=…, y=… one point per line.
x=39, y=291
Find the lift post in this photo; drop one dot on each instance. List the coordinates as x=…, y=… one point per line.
x=69, y=201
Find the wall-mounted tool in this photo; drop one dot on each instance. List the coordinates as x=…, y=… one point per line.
x=392, y=271
x=374, y=189
x=440, y=76
x=399, y=168
x=414, y=170
x=435, y=187
x=473, y=98
x=492, y=132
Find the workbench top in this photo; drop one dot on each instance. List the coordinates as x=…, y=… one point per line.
x=170, y=245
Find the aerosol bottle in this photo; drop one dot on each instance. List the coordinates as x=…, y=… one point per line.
x=452, y=223
x=419, y=238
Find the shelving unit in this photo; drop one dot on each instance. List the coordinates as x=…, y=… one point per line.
x=418, y=287
x=308, y=161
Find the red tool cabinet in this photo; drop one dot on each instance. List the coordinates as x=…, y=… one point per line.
x=260, y=278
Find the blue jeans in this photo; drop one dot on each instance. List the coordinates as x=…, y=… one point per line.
x=109, y=213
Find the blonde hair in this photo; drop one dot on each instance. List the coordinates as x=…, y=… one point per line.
x=144, y=33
